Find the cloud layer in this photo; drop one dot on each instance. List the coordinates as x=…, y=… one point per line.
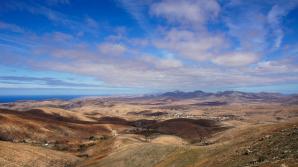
x=187, y=44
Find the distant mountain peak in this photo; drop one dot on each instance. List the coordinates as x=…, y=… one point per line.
x=229, y=95
x=180, y=94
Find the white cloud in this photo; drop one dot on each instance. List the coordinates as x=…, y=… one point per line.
x=249, y=28
x=170, y=63
x=284, y=66
x=193, y=12
x=111, y=49
x=136, y=9
x=192, y=45
x=275, y=16
x=177, y=78
x=271, y=67
x=236, y=59
x=163, y=63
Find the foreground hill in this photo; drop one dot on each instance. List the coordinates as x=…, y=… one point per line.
x=265, y=145
x=23, y=155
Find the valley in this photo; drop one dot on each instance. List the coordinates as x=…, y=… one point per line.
x=171, y=129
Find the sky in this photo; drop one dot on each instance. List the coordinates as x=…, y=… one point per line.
x=137, y=47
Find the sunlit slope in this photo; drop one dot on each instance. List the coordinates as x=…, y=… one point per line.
x=22, y=155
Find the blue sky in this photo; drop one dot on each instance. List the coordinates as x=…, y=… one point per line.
x=135, y=47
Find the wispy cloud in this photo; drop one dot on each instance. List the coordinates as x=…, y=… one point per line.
x=275, y=17
x=57, y=17
x=137, y=9
x=11, y=27
x=42, y=81
x=58, y=2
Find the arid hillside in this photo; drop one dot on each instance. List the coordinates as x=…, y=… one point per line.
x=172, y=129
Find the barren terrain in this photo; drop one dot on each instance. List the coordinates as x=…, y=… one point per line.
x=171, y=129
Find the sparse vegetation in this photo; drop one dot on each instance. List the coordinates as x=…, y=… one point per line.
x=145, y=132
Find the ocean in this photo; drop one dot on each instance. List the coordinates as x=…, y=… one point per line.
x=7, y=99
